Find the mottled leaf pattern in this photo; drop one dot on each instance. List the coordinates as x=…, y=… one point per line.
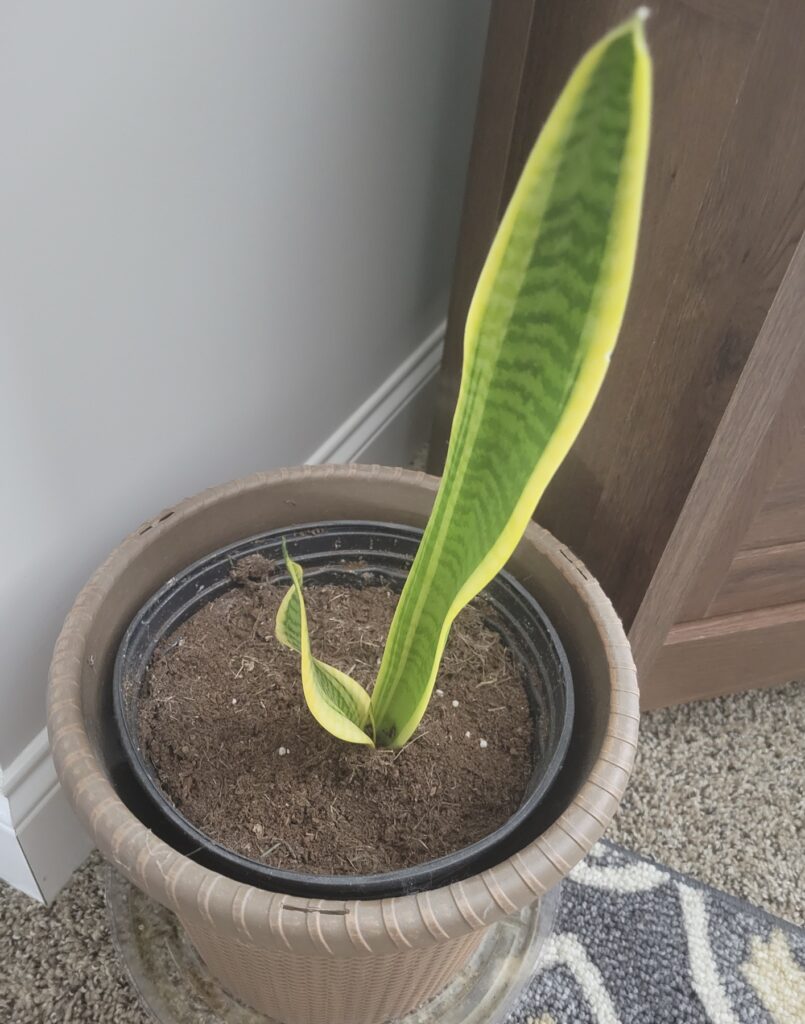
x=540, y=331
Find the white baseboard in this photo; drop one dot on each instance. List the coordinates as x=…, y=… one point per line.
x=394, y=421
x=41, y=840
x=14, y=866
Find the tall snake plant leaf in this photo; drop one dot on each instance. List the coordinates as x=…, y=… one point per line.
x=338, y=703
x=540, y=331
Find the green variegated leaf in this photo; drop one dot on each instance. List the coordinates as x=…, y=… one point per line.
x=337, y=702
x=540, y=331
x=288, y=625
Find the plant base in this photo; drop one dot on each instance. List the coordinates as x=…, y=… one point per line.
x=177, y=988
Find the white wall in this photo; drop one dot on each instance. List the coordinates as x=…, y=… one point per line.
x=222, y=226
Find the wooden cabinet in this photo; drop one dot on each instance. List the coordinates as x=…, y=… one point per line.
x=744, y=626
x=780, y=520
x=685, y=492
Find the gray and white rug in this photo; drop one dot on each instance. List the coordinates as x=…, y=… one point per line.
x=637, y=943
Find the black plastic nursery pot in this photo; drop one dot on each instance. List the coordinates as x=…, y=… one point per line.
x=352, y=553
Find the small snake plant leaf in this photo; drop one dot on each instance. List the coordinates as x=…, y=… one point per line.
x=337, y=702
x=540, y=331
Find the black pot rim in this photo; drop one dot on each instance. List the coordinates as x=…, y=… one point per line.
x=393, y=883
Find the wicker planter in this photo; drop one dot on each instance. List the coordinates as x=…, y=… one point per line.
x=326, y=961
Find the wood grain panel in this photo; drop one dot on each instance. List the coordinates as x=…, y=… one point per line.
x=762, y=579
x=781, y=519
x=651, y=431
x=737, y=652
x=757, y=432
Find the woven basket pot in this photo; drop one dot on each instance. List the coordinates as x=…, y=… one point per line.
x=306, y=961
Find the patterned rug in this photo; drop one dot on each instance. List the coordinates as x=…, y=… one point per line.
x=637, y=943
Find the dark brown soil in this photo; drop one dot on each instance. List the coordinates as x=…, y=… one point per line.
x=224, y=700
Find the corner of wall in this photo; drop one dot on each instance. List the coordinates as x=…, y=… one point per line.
x=14, y=866
x=41, y=840
x=394, y=421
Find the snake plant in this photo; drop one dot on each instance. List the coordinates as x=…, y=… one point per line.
x=540, y=331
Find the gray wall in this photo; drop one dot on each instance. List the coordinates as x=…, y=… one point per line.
x=222, y=226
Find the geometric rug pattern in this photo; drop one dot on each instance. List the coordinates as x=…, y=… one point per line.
x=638, y=943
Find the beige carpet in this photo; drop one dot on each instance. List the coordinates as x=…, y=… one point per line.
x=719, y=793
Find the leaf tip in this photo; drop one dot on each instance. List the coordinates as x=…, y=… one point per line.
x=638, y=22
